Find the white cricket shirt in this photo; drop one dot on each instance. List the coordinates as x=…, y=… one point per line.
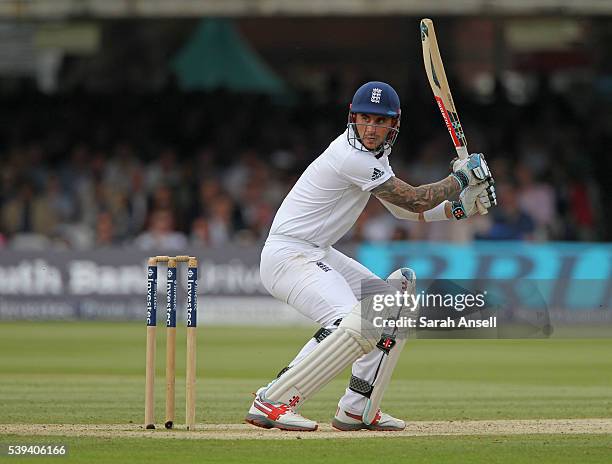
x=330, y=195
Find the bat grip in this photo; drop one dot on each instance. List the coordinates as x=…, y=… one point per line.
x=462, y=152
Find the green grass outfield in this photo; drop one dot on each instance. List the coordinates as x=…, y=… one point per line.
x=93, y=373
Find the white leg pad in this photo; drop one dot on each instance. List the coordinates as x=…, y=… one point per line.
x=405, y=280
x=340, y=349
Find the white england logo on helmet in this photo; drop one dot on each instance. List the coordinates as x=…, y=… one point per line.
x=376, y=95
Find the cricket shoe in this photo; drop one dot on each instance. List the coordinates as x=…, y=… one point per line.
x=268, y=415
x=383, y=422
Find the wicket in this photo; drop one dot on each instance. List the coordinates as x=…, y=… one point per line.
x=192, y=323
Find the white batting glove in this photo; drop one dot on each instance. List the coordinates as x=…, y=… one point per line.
x=467, y=206
x=472, y=170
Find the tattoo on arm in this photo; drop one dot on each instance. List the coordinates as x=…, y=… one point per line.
x=417, y=199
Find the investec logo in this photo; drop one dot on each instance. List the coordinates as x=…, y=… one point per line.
x=375, y=98
x=151, y=304
x=190, y=295
x=171, y=292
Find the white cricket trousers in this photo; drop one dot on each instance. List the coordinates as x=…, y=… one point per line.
x=324, y=285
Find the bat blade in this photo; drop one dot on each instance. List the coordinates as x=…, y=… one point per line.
x=441, y=90
x=439, y=85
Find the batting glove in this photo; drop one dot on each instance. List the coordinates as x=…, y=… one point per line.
x=466, y=206
x=472, y=170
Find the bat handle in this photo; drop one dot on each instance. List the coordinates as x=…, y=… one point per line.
x=462, y=152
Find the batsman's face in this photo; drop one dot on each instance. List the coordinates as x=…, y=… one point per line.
x=373, y=129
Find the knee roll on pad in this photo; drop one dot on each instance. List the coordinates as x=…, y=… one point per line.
x=361, y=386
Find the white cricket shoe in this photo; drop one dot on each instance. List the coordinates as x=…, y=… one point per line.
x=269, y=415
x=383, y=422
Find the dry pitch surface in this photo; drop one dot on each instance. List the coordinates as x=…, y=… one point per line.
x=244, y=431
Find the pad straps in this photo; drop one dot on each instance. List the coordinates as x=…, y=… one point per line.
x=363, y=387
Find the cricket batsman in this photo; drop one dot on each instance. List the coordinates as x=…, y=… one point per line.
x=300, y=266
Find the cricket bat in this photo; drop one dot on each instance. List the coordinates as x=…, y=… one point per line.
x=441, y=90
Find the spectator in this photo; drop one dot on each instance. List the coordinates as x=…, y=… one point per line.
x=161, y=235
x=255, y=211
x=28, y=212
x=582, y=214
x=199, y=237
x=59, y=201
x=538, y=200
x=509, y=221
x=208, y=191
x=163, y=171
x=105, y=231
x=137, y=205
x=221, y=224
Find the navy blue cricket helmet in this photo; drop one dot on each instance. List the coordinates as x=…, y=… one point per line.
x=375, y=98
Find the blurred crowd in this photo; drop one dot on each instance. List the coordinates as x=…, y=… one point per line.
x=167, y=171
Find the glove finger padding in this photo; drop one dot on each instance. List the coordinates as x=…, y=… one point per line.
x=488, y=197
x=470, y=196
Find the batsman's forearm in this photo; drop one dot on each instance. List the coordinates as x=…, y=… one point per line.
x=417, y=199
x=431, y=195
x=447, y=210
